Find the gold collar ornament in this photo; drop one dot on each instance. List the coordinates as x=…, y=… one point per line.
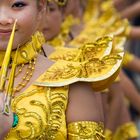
x=27, y=51
x=25, y=54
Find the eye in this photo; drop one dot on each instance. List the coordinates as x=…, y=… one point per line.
x=52, y=7
x=18, y=5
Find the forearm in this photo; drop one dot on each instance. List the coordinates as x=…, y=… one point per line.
x=114, y=106
x=134, y=33
x=130, y=91
x=131, y=11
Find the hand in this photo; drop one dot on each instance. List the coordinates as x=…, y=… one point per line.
x=1, y=101
x=5, y=121
x=131, y=11
x=120, y=4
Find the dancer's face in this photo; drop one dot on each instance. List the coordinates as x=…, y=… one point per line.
x=28, y=14
x=52, y=21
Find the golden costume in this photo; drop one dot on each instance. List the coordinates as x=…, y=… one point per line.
x=40, y=109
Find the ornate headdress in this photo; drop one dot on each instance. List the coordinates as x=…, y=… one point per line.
x=60, y=2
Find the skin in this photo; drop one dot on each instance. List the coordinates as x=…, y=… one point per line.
x=129, y=10
x=121, y=4
x=89, y=101
x=130, y=91
x=114, y=101
x=73, y=8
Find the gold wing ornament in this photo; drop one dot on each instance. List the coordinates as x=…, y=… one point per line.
x=95, y=70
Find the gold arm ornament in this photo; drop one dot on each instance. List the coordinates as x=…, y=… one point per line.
x=6, y=60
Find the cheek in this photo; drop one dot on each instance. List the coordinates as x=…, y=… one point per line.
x=26, y=26
x=27, y=21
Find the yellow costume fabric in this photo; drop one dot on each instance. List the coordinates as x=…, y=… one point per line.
x=128, y=57
x=108, y=134
x=126, y=131
x=41, y=113
x=41, y=108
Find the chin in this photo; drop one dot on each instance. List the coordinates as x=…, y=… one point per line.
x=3, y=46
x=48, y=37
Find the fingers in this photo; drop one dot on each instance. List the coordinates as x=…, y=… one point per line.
x=132, y=11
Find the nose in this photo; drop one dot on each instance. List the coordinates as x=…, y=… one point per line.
x=5, y=18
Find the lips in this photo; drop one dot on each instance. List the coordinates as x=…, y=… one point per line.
x=5, y=32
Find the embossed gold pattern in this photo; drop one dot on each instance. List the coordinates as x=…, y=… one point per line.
x=41, y=113
x=98, y=49
x=85, y=131
x=93, y=70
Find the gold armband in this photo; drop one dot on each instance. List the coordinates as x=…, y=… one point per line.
x=85, y=130
x=128, y=57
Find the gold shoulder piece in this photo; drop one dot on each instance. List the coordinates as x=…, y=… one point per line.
x=98, y=49
x=119, y=27
x=97, y=71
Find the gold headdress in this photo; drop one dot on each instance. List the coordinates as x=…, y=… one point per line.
x=60, y=2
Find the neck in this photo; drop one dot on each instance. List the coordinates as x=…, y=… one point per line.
x=78, y=13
